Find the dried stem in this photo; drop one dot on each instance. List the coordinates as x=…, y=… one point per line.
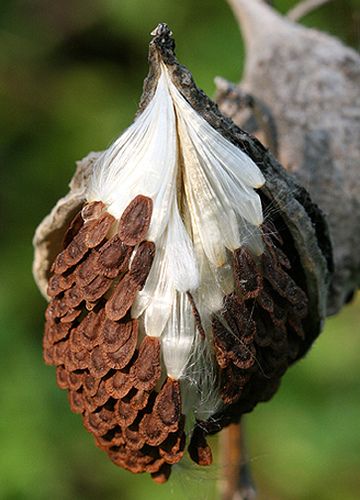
x=236, y=483
x=303, y=8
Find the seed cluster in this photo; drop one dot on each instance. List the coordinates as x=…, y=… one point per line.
x=259, y=331
x=113, y=376
x=112, y=371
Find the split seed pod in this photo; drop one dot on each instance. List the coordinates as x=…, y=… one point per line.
x=192, y=273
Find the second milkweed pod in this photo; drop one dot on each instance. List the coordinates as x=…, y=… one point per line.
x=207, y=221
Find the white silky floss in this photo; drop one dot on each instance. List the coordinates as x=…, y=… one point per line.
x=168, y=140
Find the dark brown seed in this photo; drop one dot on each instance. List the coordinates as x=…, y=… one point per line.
x=113, y=258
x=135, y=221
x=75, y=250
x=98, y=364
x=75, y=380
x=263, y=334
x=70, y=316
x=73, y=297
x=57, y=284
x=296, y=324
x=119, y=385
x=122, y=298
x=172, y=449
x=100, y=422
x=86, y=272
x=76, y=401
x=96, y=288
x=141, y=264
x=168, y=403
x=199, y=450
x=95, y=231
x=125, y=414
x=147, y=370
x=76, y=360
x=56, y=309
x=196, y=315
x=91, y=385
x=62, y=377
x=89, y=329
x=162, y=475
x=248, y=280
x=122, y=356
x=73, y=228
x=92, y=210
x=265, y=301
x=139, y=400
x=114, y=335
x=233, y=381
x=56, y=331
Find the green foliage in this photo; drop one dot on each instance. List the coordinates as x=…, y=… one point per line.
x=71, y=75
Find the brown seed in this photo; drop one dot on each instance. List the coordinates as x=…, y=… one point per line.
x=70, y=316
x=162, y=475
x=122, y=356
x=119, y=385
x=57, y=284
x=96, y=288
x=124, y=414
x=91, y=385
x=76, y=360
x=199, y=450
x=152, y=430
x=86, y=272
x=89, y=329
x=98, y=399
x=132, y=438
x=55, y=331
x=147, y=370
x=60, y=352
x=122, y=298
x=142, y=261
x=56, y=309
x=62, y=377
x=100, y=422
x=98, y=364
x=75, y=250
x=94, y=232
x=168, y=403
x=73, y=228
x=75, y=380
x=76, y=401
x=113, y=258
x=248, y=280
x=114, y=335
x=92, y=210
x=140, y=400
x=172, y=449
x=73, y=297
x=135, y=221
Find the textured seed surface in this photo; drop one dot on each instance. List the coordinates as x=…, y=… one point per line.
x=113, y=373
x=110, y=375
x=135, y=221
x=259, y=331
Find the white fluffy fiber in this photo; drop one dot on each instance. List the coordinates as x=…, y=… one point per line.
x=168, y=141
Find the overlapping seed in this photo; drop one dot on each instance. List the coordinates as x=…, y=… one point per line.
x=110, y=375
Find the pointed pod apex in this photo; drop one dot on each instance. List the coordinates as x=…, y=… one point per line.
x=163, y=39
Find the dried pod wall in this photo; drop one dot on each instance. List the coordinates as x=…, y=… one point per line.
x=185, y=271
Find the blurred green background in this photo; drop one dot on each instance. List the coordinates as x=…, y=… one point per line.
x=71, y=75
